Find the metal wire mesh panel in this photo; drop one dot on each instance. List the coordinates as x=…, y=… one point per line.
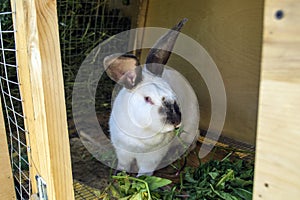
x=12, y=101
x=83, y=24
x=83, y=192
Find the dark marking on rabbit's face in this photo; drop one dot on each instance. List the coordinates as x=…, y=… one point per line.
x=171, y=110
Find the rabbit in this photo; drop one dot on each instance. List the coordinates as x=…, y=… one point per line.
x=146, y=110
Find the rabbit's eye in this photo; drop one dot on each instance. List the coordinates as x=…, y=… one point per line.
x=148, y=100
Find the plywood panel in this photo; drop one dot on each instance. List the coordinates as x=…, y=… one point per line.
x=231, y=32
x=277, y=174
x=7, y=189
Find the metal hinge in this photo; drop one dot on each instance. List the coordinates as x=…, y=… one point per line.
x=42, y=188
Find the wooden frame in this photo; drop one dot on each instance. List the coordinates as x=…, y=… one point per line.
x=277, y=163
x=41, y=85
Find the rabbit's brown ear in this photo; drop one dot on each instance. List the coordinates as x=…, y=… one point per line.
x=161, y=51
x=123, y=69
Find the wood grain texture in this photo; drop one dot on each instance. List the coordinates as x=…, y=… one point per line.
x=7, y=189
x=277, y=174
x=25, y=18
x=53, y=86
x=141, y=23
x=41, y=88
x=231, y=32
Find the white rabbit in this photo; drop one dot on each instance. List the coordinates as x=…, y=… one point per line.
x=146, y=110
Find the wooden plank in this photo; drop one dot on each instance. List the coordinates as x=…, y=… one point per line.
x=141, y=23
x=22, y=20
x=41, y=88
x=53, y=85
x=277, y=174
x=7, y=189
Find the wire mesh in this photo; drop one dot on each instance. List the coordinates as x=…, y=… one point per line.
x=83, y=25
x=12, y=101
x=84, y=192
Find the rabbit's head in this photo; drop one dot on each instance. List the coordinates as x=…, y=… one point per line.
x=148, y=99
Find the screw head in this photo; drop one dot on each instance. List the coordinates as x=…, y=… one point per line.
x=279, y=14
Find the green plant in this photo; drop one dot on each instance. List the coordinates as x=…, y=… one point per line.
x=226, y=179
x=125, y=187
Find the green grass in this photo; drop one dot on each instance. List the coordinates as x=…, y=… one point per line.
x=228, y=179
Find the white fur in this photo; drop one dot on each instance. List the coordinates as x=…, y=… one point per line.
x=137, y=128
